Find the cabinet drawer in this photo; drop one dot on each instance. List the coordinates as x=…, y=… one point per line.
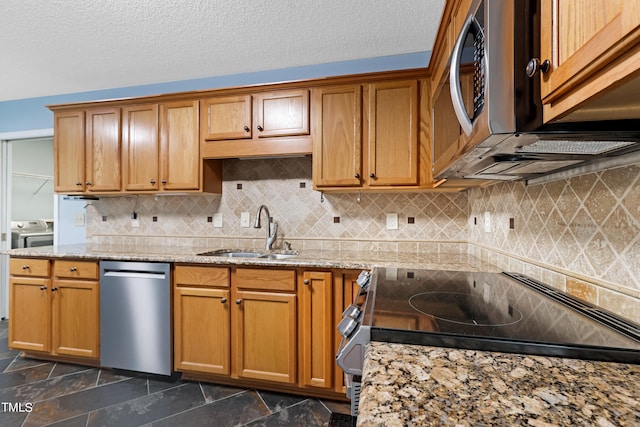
x=253, y=278
x=184, y=275
x=76, y=269
x=29, y=267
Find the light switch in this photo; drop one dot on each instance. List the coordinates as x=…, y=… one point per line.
x=78, y=220
x=392, y=221
x=217, y=219
x=245, y=219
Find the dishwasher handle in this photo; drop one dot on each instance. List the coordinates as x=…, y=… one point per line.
x=134, y=274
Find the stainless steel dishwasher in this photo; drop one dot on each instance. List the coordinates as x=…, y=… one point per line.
x=135, y=316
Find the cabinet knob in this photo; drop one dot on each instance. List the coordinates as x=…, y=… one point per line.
x=534, y=65
x=238, y=301
x=43, y=288
x=260, y=128
x=246, y=129
x=88, y=183
x=73, y=269
x=78, y=183
x=25, y=267
x=372, y=175
x=164, y=181
x=152, y=181
x=357, y=175
x=54, y=289
x=223, y=300
x=306, y=281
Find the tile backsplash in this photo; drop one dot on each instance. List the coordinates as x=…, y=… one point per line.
x=581, y=235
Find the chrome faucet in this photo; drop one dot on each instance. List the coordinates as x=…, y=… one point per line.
x=270, y=237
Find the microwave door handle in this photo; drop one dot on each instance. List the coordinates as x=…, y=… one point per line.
x=454, y=78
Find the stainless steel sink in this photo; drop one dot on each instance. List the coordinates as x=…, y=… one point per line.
x=237, y=253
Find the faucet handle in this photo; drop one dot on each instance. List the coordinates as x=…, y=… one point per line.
x=287, y=246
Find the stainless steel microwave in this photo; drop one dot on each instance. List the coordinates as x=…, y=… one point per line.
x=487, y=111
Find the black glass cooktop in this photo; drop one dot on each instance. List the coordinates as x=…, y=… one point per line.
x=495, y=312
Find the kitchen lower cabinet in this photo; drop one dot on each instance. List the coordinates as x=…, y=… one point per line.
x=317, y=354
x=202, y=321
x=264, y=324
x=57, y=315
x=345, y=289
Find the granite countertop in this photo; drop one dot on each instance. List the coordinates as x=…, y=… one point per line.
x=411, y=385
x=305, y=258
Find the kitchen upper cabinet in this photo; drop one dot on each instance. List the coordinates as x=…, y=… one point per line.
x=337, y=150
x=58, y=316
x=179, y=145
x=372, y=136
x=161, y=146
x=87, y=150
x=264, y=123
x=202, y=319
x=594, y=51
x=264, y=325
x=317, y=354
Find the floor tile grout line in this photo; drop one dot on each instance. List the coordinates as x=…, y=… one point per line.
x=264, y=403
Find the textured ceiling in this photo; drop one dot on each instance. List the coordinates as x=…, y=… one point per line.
x=64, y=46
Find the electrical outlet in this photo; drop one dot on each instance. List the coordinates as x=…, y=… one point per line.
x=245, y=219
x=392, y=221
x=78, y=220
x=135, y=223
x=217, y=219
x=487, y=222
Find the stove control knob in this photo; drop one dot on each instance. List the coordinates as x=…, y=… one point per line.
x=347, y=326
x=351, y=311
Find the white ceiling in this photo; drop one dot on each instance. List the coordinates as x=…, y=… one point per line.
x=64, y=46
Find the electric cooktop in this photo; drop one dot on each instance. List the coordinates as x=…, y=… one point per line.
x=495, y=312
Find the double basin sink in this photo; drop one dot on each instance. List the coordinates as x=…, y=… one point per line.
x=233, y=253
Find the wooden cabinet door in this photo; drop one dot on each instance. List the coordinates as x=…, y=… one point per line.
x=140, y=147
x=337, y=148
x=180, y=146
x=345, y=291
x=76, y=318
x=102, y=160
x=265, y=336
x=317, y=354
x=581, y=38
x=226, y=117
x=282, y=113
x=68, y=151
x=30, y=314
x=202, y=330
x=393, y=133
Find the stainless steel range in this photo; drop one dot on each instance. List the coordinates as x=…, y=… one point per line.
x=503, y=312
x=31, y=233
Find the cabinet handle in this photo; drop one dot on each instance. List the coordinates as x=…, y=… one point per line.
x=306, y=281
x=357, y=175
x=223, y=300
x=246, y=129
x=260, y=128
x=73, y=269
x=25, y=267
x=54, y=289
x=534, y=65
x=152, y=181
x=88, y=183
x=78, y=183
x=43, y=288
x=372, y=175
x=164, y=181
x=238, y=301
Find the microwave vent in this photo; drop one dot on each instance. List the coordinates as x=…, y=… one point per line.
x=558, y=146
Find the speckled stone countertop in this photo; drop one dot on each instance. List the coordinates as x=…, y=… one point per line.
x=410, y=385
x=308, y=258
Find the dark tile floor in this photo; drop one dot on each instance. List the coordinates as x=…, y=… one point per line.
x=37, y=393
